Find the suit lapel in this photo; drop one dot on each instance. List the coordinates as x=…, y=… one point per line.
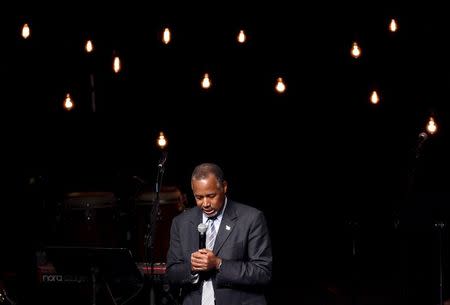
x=226, y=226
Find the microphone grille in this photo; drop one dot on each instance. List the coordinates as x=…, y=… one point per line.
x=202, y=228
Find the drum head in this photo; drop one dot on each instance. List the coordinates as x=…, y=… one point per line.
x=89, y=219
x=172, y=202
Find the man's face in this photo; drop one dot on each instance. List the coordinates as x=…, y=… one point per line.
x=209, y=194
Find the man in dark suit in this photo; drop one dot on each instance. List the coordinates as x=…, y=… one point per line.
x=236, y=266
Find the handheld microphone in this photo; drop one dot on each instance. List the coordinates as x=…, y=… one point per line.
x=202, y=235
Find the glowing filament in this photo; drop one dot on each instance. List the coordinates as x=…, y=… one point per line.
x=356, y=51
x=280, y=86
x=117, y=65
x=393, y=26
x=432, y=126
x=206, y=82
x=89, y=46
x=162, y=142
x=166, y=36
x=68, y=103
x=25, y=31
x=241, y=36
x=374, y=99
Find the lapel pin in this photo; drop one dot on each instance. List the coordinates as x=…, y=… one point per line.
x=228, y=228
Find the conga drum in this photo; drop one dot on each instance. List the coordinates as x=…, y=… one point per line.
x=89, y=219
x=171, y=203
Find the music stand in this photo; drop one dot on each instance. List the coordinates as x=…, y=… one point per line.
x=114, y=268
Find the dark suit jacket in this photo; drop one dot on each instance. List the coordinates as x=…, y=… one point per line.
x=243, y=243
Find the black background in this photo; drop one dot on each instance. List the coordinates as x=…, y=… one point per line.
x=350, y=207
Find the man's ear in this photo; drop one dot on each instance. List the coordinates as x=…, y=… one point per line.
x=225, y=186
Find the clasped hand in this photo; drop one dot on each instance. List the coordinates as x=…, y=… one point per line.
x=203, y=260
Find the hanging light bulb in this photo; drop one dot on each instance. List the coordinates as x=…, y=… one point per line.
x=26, y=31
x=206, y=82
x=161, y=141
x=166, y=36
x=117, y=66
x=280, y=87
x=374, y=98
x=68, y=103
x=356, y=50
x=89, y=47
x=241, y=36
x=393, y=27
x=431, y=126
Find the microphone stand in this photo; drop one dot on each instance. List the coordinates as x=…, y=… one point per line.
x=423, y=136
x=411, y=180
x=354, y=227
x=91, y=82
x=440, y=225
x=150, y=236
